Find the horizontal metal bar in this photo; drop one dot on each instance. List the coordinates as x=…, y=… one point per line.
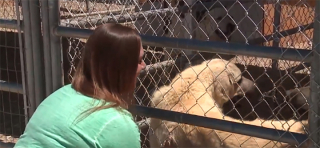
x=230, y=48
x=6, y=23
x=211, y=4
x=245, y=129
x=121, y=18
x=11, y=87
x=6, y=145
x=75, y=32
x=206, y=46
x=156, y=66
x=107, y=12
x=281, y=34
x=117, y=18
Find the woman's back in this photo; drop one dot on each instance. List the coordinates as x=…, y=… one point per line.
x=57, y=123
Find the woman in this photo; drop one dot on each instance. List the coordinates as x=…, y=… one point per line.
x=91, y=111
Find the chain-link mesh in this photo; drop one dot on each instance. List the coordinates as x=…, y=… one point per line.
x=12, y=116
x=275, y=100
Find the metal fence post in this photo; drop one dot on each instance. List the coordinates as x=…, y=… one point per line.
x=22, y=57
x=34, y=60
x=28, y=56
x=46, y=46
x=314, y=111
x=55, y=44
x=276, y=29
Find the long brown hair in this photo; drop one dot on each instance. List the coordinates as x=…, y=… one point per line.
x=107, y=69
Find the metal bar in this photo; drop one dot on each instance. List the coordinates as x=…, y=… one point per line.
x=117, y=18
x=314, y=110
x=156, y=66
x=229, y=48
x=55, y=45
x=87, y=23
x=88, y=5
x=205, y=46
x=35, y=22
x=284, y=33
x=6, y=145
x=250, y=130
x=70, y=10
x=209, y=5
x=46, y=47
x=28, y=57
x=95, y=13
x=276, y=28
x=23, y=73
x=11, y=24
x=190, y=24
x=11, y=87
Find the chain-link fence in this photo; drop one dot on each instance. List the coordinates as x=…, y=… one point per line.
x=276, y=71
x=263, y=80
x=240, y=33
x=12, y=113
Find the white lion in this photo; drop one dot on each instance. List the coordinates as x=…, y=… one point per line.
x=202, y=90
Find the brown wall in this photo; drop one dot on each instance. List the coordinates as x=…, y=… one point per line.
x=291, y=17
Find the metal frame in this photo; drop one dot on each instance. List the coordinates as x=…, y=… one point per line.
x=11, y=24
x=55, y=45
x=46, y=46
x=228, y=126
x=205, y=46
x=34, y=62
x=276, y=28
x=315, y=82
x=11, y=87
x=21, y=51
x=221, y=48
x=148, y=14
x=51, y=46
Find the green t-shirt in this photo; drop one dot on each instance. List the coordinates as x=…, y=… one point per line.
x=54, y=124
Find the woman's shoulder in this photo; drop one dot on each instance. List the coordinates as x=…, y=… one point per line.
x=114, y=114
x=108, y=126
x=117, y=126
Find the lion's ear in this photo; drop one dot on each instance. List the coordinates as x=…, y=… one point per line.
x=231, y=79
x=234, y=73
x=233, y=76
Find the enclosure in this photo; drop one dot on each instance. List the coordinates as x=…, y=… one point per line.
x=274, y=43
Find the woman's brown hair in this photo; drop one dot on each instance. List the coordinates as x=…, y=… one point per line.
x=107, y=69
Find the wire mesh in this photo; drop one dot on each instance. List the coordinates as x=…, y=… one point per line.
x=278, y=98
x=12, y=115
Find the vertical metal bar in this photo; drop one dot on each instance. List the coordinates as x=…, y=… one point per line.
x=276, y=29
x=88, y=5
x=35, y=22
x=314, y=112
x=189, y=23
x=21, y=50
x=46, y=46
x=28, y=56
x=55, y=44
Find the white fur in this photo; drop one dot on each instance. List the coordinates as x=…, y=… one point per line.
x=191, y=92
x=303, y=90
